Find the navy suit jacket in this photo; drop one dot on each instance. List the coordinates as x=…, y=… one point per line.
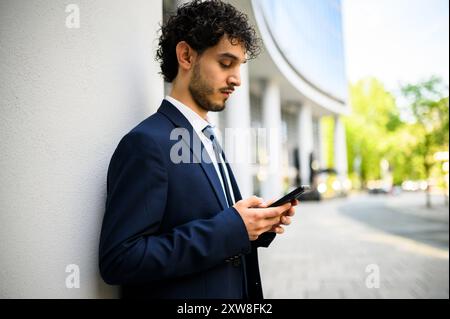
x=167, y=231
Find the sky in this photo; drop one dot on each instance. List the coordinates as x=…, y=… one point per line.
x=397, y=41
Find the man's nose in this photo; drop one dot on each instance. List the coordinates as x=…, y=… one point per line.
x=235, y=79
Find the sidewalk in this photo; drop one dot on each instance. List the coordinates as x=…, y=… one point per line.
x=416, y=205
x=333, y=249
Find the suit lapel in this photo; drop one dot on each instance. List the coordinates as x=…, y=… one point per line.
x=178, y=119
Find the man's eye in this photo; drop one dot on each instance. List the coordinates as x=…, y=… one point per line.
x=225, y=65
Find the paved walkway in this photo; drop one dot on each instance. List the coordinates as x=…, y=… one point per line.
x=346, y=248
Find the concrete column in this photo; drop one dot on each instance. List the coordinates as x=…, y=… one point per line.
x=272, y=184
x=322, y=147
x=305, y=132
x=340, y=149
x=237, y=134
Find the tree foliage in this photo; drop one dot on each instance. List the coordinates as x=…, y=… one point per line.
x=407, y=137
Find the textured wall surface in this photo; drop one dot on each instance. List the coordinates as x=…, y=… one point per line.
x=67, y=95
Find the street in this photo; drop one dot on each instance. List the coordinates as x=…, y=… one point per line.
x=362, y=246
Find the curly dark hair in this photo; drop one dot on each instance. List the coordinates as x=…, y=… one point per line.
x=202, y=24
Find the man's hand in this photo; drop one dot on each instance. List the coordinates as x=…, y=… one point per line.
x=285, y=218
x=258, y=218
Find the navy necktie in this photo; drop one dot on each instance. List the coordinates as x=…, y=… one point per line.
x=209, y=133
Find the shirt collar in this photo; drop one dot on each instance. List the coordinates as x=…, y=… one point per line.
x=197, y=122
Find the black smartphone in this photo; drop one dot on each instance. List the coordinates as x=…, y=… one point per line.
x=292, y=195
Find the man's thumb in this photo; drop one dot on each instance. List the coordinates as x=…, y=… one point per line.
x=253, y=201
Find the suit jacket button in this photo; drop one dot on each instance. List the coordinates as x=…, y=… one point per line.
x=236, y=262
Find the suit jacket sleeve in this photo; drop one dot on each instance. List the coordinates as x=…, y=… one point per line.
x=131, y=249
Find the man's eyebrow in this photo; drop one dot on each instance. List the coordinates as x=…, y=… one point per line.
x=231, y=56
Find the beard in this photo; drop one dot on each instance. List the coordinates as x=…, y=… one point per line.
x=202, y=93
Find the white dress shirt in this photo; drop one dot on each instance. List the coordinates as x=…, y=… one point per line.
x=198, y=123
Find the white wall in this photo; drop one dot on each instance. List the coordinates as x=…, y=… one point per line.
x=66, y=97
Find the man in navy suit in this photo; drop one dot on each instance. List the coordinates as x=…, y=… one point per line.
x=179, y=228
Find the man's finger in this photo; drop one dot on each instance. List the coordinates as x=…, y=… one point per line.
x=252, y=201
x=271, y=212
x=266, y=203
x=270, y=228
x=290, y=212
x=274, y=211
x=285, y=220
x=295, y=202
x=265, y=213
x=270, y=222
x=284, y=207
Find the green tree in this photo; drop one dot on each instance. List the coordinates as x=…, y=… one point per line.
x=370, y=128
x=428, y=108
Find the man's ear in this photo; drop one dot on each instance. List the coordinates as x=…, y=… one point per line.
x=185, y=55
